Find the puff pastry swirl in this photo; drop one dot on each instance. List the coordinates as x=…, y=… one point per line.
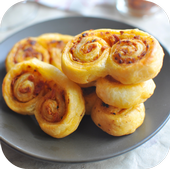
x=26, y=49
x=135, y=57
x=130, y=56
x=116, y=121
x=84, y=58
x=54, y=44
x=23, y=86
x=121, y=95
x=37, y=88
x=62, y=107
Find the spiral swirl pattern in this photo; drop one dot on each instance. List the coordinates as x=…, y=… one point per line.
x=22, y=87
x=26, y=49
x=88, y=49
x=84, y=58
x=53, y=106
x=135, y=58
x=130, y=56
x=128, y=51
x=37, y=88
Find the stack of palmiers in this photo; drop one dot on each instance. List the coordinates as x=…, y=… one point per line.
x=121, y=64
x=103, y=73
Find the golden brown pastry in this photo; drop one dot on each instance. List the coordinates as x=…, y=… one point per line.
x=54, y=44
x=62, y=107
x=121, y=95
x=117, y=121
x=84, y=58
x=90, y=97
x=23, y=86
x=135, y=58
x=26, y=49
x=36, y=87
x=130, y=56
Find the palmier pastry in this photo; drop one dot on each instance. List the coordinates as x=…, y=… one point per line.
x=130, y=56
x=54, y=43
x=90, y=97
x=121, y=95
x=26, y=49
x=116, y=121
x=135, y=57
x=62, y=107
x=23, y=86
x=84, y=58
x=35, y=87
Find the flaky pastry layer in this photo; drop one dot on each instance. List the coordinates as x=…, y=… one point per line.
x=121, y=95
x=130, y=56
x=23, y=86
x=54, y=44
x=116, y=121
x=26, y=49
x=62, y=107
x=37, y=88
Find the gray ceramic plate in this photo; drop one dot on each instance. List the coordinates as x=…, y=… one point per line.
x=88, y=142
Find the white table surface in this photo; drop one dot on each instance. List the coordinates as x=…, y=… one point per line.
x=147, y=155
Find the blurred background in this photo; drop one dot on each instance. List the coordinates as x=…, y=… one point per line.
x=139, y=13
